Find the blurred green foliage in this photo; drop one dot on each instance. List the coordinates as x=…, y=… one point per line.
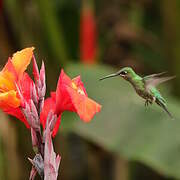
x=125, y=126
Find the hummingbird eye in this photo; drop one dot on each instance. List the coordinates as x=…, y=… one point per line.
x=123, y=73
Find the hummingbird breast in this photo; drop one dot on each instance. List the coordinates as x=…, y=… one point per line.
x=142, y=92
x=140, y=88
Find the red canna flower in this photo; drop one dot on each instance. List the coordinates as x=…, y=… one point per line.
x=12, y=74
x=70, y=95
x=23, y=98
x=88, y=44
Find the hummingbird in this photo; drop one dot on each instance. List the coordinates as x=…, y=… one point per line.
x=145, y=87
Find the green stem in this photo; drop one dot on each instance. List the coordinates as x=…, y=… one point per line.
x=53, y=30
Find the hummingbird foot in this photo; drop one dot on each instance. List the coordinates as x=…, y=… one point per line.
x=147, y=102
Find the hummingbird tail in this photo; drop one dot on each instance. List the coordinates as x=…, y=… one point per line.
x=163, y=105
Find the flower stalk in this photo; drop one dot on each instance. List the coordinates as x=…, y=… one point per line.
x=41, y=141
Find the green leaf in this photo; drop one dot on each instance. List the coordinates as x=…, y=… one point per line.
x=125, y=126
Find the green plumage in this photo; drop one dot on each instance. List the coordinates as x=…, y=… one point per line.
x=145, y=86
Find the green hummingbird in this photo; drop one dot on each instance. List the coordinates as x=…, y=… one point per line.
x=145, y=86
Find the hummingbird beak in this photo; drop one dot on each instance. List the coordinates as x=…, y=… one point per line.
x=109, y=76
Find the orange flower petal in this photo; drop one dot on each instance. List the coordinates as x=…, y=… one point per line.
x=10, y=68
x=21, y=59
x=79, y=84
x=6, y=82
x=71, y=96
x=85, y=107
x=7, y=77
x=9, y=100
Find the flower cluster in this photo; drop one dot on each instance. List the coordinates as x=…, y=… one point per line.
x=24, y=98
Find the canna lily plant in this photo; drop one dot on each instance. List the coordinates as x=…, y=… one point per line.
x=24, y=98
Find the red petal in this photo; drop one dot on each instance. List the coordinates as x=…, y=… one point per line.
x=64, y=79
x=49, y=105
x=25, y=86
x=58, y=122
x=79, y=84
x=16, y=112
x=9, y=67
x=85, y=107
x=62, y=97
x=53, y=95
x=71, y=95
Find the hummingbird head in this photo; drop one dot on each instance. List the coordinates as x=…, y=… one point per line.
x=127, y=73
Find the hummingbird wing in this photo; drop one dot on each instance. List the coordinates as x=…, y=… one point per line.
x=155, y=79
x=155, y=75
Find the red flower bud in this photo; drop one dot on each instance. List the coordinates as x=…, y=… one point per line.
x=87, y=35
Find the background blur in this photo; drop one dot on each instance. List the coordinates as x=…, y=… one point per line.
x=126, y=141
